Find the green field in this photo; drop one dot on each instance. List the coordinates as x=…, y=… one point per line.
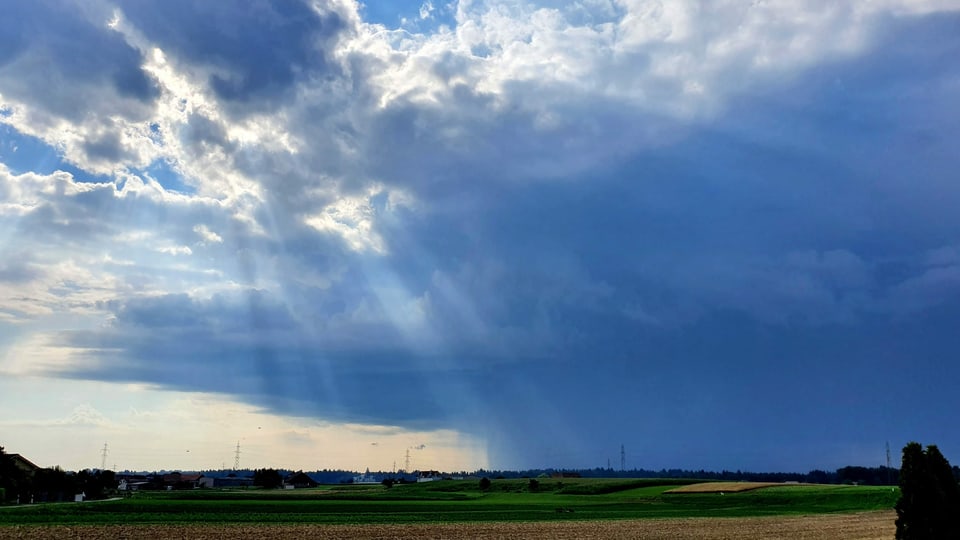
x=454, y=501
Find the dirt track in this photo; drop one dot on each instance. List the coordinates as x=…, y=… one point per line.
x=863, y=526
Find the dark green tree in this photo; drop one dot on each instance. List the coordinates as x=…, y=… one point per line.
x=87, y=484
x=96, y=484
x=929, y=504
x=54, y=485
x=946, y=514
x=912, y=507
x=267, y=478
x=484, y=483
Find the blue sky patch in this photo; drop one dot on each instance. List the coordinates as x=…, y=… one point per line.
x=161, y=171
x=419, y=15
x=23, y=153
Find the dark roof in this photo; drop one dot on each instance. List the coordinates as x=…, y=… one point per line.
x=301, y=478
x=232, y=482
x=24, y=463
x=180, y=477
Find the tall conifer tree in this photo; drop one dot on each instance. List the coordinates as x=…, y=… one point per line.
x=929, y=505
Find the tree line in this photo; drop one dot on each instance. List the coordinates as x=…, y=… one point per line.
x=869, y=476
x=51, y=485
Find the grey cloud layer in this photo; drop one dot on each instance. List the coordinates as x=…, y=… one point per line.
x=505, y=239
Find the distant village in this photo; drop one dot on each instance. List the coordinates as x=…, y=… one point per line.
x=248, y=478
x=22, y=481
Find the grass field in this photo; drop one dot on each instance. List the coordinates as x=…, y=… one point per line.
x=455, y=502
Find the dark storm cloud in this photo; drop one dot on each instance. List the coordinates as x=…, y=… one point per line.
x=608, y=275
x=63, y=57
x=254, y=52
x=249, y=345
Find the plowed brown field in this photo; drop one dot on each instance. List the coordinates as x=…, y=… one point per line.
x=726, y=487
x=863, y=526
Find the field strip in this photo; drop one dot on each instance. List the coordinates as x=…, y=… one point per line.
x=859, y=526
x=728, y=487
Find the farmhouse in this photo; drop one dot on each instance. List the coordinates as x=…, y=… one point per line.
x=232, y=482
x=298, y=480
x=428, y=476
x=132, y=482
x=176, y=480
x=206, y=482
x=24, y=464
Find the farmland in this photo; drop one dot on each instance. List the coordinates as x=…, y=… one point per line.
x=722, y=487
x=451, y=502
x=858, y=526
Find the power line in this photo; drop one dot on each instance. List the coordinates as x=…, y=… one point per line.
x=236, y=458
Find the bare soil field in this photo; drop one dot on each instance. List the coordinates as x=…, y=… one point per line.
x=861, y=526
x=725, y=487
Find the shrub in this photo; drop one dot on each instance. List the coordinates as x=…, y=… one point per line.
x=484, y=483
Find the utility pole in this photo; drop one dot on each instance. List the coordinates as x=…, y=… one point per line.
x=236, y=458
x=103, y=461
x=889, y=476
x=623, y=459
x=406, y=467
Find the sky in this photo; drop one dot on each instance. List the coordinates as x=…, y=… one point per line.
x=479, y=234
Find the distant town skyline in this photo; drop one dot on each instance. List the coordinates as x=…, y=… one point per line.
x=495, y=234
